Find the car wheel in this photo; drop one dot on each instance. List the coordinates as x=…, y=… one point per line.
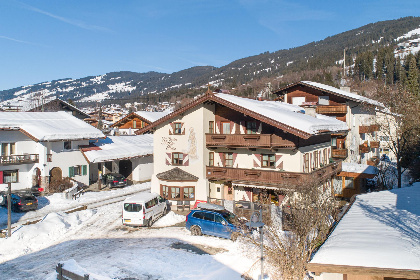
x=149, y=222
x=234, y=236
x=165, y=211
x=196, y=230
x=109, y=185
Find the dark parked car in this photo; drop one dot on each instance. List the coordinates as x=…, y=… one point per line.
x=37, y=190
x=112, y=180
x=221, y=223
x=23, y=202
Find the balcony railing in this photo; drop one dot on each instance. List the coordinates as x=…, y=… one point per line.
x=331, y=109
x=19, y=159
x=248, y=141
x=339, y=153
x=271, y=178
x=368, y=128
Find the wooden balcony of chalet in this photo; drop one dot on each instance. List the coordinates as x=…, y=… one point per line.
x=281, y=179
x=331, y=109
x=368, y=128
x=374, y=144
x=269, y=141
x=339, y=153
x=19, y=159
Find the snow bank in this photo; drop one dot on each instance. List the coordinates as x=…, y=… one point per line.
x=169, y=219
x=52, y=229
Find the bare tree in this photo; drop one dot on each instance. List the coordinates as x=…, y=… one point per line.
x=309, y=212
x=399, y=124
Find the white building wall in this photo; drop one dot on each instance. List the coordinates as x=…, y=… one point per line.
x=142, y=168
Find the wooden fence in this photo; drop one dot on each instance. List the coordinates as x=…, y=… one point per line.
x=63, y=274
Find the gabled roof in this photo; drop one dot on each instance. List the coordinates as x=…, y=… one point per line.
x=176, y=174
x=49, y=126
x=119, y=147
x=284, y=116
x=145, y=116
x=63, y=103
x=379, y=234
x=332, y=90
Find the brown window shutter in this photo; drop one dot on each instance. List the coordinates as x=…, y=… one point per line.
x=257, y=163
x=222, y=158
x=234, y=158
x=171, y=129
x=168, y=158
x=218, y=127
x=278, y=162
x=232, y=128
x=186, y=160
x=242, y=127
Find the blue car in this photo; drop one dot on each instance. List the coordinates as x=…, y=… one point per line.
x=220, y=223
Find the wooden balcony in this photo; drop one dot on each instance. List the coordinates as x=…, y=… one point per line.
x=374, y=144
x=368, y=128
x=263, y=177
x=339, y=153
x=331, y=109
x=269, y=141
x=19, y=159
x=364, y=149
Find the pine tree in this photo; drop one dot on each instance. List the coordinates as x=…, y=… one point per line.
x=413, y=77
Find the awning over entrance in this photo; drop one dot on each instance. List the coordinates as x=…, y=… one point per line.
x=176, y=174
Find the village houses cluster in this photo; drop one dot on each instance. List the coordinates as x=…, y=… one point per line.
x=218, y=148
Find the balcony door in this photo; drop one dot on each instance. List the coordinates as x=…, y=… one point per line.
x=226, y=128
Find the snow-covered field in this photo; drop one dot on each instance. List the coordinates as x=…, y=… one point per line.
x=94, y=241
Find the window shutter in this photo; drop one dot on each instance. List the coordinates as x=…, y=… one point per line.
x=71, y=171
x=242, y=127
x=186, y=160
x=234, y=159
x=257, y=161
x=222, y=158
x=168, y=158
x=171, y=128
x=279, y=161
x=232, y=128
x=218, y=127
x=84, y=167
x=1, y=177
x=259, y=127
x=182, y=129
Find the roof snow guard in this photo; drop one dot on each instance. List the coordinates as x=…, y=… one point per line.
x=176, y=174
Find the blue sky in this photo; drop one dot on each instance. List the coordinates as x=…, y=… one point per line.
x=53, y=39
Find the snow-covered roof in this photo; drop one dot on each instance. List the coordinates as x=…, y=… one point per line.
x=381, y=230
x=359, y=168
x=49, y=126
x=152, y=116
x=343, y=93
x=290, y=115
x=120, y=147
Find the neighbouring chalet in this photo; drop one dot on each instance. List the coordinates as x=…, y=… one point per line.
x=38, y=148
x=131, y=156
x=134, y=121
x=377, y=239
x=57, y=105
x=361, y=143
x=221, y=146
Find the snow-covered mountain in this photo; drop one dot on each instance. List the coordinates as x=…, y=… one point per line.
x=401, y=34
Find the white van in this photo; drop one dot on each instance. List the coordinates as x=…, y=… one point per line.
x=143, y=209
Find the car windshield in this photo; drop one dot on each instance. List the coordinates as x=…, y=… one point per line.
x=132, y=207
x=230, y=217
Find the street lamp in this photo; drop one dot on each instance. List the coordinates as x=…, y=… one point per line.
x=256, y=222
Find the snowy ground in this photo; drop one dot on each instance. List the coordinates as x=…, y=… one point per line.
x=94, y=241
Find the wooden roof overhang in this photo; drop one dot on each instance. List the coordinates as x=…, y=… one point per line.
x=211, y=97
x=283, y=90
x=128, y=118
x=362, y=270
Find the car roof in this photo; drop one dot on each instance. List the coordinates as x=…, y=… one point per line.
x=141, y=197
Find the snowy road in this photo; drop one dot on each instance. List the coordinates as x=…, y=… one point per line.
x=102, y=247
